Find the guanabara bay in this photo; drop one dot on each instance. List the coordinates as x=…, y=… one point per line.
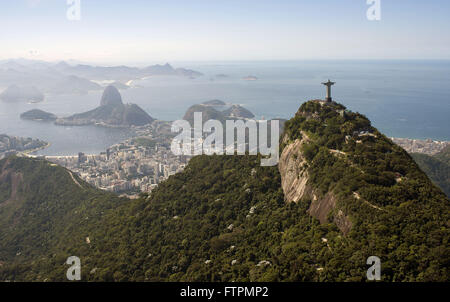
x=341, y=193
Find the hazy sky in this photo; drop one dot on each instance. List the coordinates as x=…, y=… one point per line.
x=138, y=31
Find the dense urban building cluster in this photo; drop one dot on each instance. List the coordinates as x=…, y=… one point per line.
x=427, y=146
x=10, y=145
x=125, y=167
x=133, y=166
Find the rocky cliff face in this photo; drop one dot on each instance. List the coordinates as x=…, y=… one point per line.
x=12, y=179
x=346, y=169
x=297, y=187
x=294, y=175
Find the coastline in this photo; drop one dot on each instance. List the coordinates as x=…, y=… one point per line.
x=411, y=145
x=30, y=152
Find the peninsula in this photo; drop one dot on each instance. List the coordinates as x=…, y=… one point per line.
x=112, y=112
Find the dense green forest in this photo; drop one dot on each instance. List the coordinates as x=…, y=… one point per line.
x=444, y=155
x=41, y=205
x=437, y=167
x=347, y=154
x=224, y=218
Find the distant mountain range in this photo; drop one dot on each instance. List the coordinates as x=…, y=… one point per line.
x=15, y=93
x=64, y=78
x=111, y=112
x=123, y=72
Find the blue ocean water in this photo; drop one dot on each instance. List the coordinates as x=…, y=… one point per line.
x=402, y=98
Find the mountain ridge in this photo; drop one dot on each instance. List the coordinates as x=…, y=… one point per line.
x=328, y=148
x=15, y=93
x=226, y=218
x=437, y=167
x=62, y=78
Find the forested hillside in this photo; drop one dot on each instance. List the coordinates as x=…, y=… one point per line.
x=44, y=209
x=226, y=218
x=437, y=167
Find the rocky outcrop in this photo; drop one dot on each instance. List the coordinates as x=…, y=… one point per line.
x=111, y=96
x=111, y=112
x=297, y=187
x=13, y=179
x=294, y=176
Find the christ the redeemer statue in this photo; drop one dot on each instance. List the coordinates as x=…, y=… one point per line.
x=328, y=84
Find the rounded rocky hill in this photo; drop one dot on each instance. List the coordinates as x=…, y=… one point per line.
x=209, y=111
x=111, y=112
x=111, y=96
x=238, y=111
x=38, y=115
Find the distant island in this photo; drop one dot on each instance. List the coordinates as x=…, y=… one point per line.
x=15, y=93
x=111, y=112
x=212, y=110
x=38, y=115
